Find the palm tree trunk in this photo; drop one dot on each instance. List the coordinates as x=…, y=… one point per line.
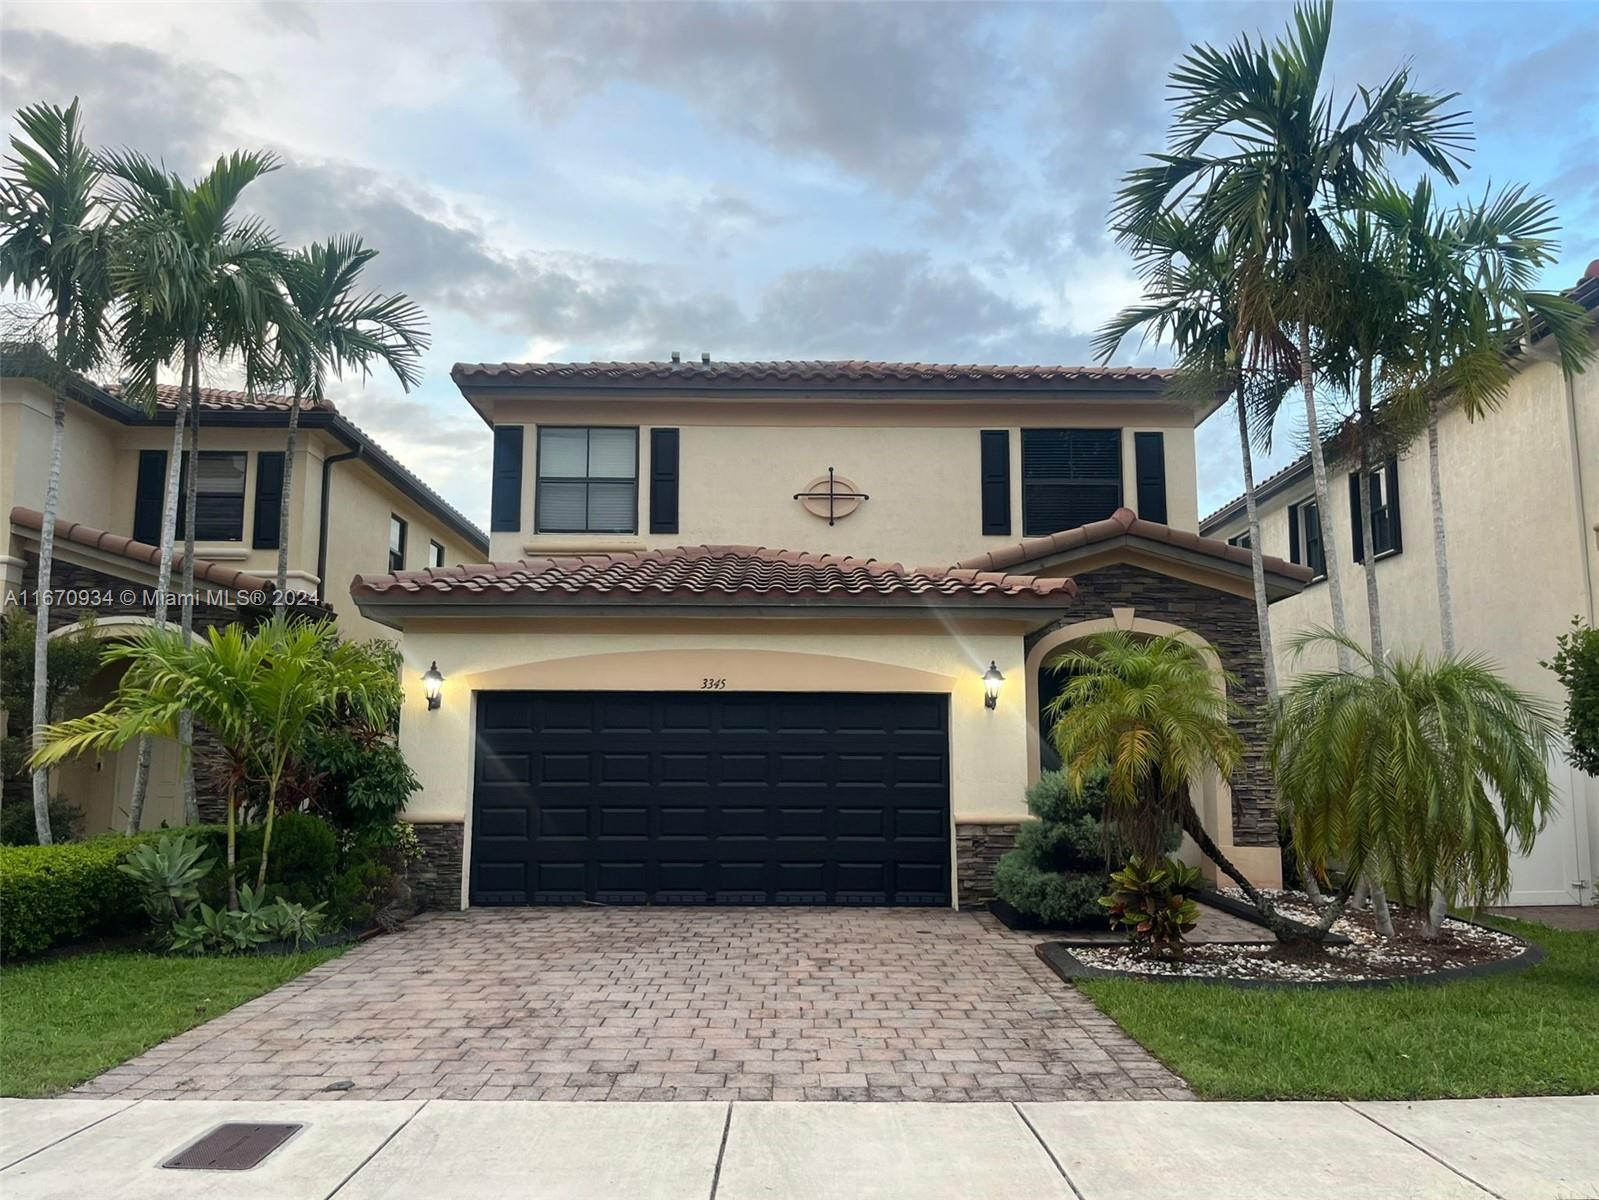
x=281, y=602
x=233, y=844
x=1257, y=557
x=163, y=585
x=1380, y=915
x=191, y=806
x=266, y=833
x=1318, y=466
x=1440, y=551
x=47, y=551
x=1281, y=928
x=1368, y=532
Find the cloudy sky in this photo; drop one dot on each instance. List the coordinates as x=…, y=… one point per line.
x=873, y=180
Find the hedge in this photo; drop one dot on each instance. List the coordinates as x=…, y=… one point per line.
x=52, y=895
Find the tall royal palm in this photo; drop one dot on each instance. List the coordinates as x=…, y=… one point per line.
x=1257, y=150
x=1192, y=287
x=340, y=327
x=201, y=283
x=54, y=234
x=1471, y=272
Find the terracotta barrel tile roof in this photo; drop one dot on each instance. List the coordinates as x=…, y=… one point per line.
x=802, y=374
x=710, y=574
x=1124, y=522
x=169, y=396
x=141, y=552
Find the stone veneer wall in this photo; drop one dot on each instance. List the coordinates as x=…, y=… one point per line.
x=978, y=849
x=1227, y=622
x=436, y=879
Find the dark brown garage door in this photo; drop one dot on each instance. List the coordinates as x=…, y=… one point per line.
x=696, y=798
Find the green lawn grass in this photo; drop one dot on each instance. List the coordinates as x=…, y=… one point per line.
x=64, y=1021
x=1525, y=1033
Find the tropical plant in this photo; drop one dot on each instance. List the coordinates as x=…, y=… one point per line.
x=1151, y=715
x=1149, y=899
x=72, y=659
x=1470, y=273
x=258, y=692
x=1426, y=771
x=168, y=872
x=1258, y=151
x=199, y=283
x=339, y=327
x=1193, y=285
x=1576, y=662
x=252, y=924
x=53, y=239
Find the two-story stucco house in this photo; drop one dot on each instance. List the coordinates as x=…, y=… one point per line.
x=1521, y=507
x=742, y=633
x=353, y=508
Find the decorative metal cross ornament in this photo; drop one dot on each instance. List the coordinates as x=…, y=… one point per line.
x=831, y=492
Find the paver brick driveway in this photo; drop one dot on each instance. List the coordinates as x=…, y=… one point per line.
x=652, y=1004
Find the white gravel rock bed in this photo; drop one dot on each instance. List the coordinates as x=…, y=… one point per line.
x=1369, y=956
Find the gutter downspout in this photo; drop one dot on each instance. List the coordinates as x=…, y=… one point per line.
x=322, y=520
x=1584, y=525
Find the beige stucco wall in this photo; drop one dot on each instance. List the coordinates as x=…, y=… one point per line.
x=740, y=465
x=1518, y=540
x=89, y=454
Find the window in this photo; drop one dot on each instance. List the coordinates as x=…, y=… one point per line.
x=1241, y=540
x=1070, y=477
x=1384, y=511
x=588, y=481
x=1304, y=537
x=218, y=497
x=396, y=543
x=435, y=555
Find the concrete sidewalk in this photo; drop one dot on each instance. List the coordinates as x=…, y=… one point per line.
x=1523, y=1149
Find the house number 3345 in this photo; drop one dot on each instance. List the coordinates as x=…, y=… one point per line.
x=713, y=685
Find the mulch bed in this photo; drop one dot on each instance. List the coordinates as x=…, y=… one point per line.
x=1462, y=949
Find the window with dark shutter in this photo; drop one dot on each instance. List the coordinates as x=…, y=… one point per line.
x=218, y=498
x=1384, y=511
x=150, y=497
x=1070, y=477
x=663, y=480
x=268, y=499
x=505, y=505
x=587, y=480
x=995, y=480
x=1304, y=537
x=1149, y=459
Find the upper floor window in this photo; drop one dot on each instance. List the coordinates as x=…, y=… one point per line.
x=218, y=497
x=1384, y=511
x=1304, y=537
x=396, y=543
x=1070, y=477
x=588, y=480
x=435, y=554
x=1241, y=540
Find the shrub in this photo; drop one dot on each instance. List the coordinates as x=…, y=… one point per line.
x=1576, y=662
x=1150, y=901
x=53, y=895
x=355, y=776
x=209, y=930
x=1060, y=866
x=17, y=827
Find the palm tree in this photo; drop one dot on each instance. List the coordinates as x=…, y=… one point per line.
x=339, y=327
x=1192, y=292
x=1257, y=150
x=259, y=692
x=1423, y=770
x=201, y=283
x=1470, y=273
x=1148, y=714
x=55, y=233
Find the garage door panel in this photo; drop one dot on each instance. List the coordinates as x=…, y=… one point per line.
x=682, y=798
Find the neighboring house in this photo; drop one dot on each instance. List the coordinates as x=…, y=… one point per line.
x=697, y=671
x=1521, y=503
x=353, y=509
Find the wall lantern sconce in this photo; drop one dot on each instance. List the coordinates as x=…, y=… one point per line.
x=433, y=685
x=992, y=682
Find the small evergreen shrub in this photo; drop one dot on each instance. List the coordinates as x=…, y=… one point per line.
x=1576, y=662
x=17, y=827
x=1060, y=867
